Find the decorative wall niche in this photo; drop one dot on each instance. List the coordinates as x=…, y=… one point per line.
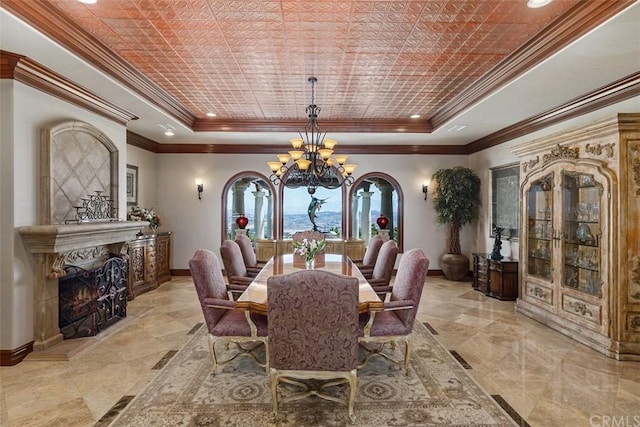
x=77, y=160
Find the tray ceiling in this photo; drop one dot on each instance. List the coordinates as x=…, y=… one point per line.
x=377, y=62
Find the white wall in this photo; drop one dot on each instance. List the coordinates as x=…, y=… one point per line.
x=147, y=164
x=25, y=111
x=197, y=223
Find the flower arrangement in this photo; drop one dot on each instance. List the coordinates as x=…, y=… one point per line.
x=307, y=249
x=143, y=214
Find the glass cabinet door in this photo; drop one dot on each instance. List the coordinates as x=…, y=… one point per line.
x=581, y=234
x=540, y=228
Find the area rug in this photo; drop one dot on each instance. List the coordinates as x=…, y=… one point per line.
x=437, y=392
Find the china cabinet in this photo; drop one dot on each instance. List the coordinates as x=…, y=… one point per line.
x=580, y=243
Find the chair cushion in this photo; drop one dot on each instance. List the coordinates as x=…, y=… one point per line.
x=234, y=323
x=385, y=323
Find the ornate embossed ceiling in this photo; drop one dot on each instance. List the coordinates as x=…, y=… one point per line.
x=377, y=62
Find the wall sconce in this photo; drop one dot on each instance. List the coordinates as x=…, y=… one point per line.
x=425, y=189
x=200, y=188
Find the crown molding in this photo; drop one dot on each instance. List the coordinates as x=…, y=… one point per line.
x=142, y=142
x=578, y=20
x=54, y=24
x=620, y=90
x=29, y=72
x=371, y=126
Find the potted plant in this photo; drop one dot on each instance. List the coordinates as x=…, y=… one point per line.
x=456, y=201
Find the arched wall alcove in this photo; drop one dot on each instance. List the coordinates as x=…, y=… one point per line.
x=376, y=190
x=252, y=193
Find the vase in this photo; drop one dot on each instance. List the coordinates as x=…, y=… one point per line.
x=382, y=222
x=242, y=221
x=309, y=264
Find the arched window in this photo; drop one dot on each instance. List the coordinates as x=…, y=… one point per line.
x=371, y=195
x=252, y=195
x=323, y=211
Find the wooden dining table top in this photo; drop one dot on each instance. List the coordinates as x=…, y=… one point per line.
x=255, y=296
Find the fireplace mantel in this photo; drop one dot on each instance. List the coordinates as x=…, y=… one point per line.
x=59, y=238
x=54, y=246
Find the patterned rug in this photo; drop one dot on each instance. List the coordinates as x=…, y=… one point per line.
x=437, y=392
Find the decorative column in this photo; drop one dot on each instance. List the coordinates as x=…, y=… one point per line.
x=365, y=219
x=386, y=204
x=268, y=226
x=257, y=212
x=237, y=192
x=354, y=218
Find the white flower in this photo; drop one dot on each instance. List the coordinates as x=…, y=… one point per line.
x=308, y=249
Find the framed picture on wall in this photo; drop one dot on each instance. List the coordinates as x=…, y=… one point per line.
x=505, y=201
x=132, y=185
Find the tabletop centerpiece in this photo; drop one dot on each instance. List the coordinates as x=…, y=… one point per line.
x=308, y=249
x=143, y=214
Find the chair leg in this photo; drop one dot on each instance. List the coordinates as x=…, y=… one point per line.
x=212, y=352
x=273, y=386
x=353, y=386
x=407, y=354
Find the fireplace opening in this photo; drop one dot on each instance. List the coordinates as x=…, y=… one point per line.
x=90, y=300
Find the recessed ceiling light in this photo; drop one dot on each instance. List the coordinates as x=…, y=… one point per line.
x=537, y=3
x=456, y=128
x=88, y=1
x=168, y=129
x=211, y=114
x=415, y=116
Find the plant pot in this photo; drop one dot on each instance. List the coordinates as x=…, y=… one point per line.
x=454, y=267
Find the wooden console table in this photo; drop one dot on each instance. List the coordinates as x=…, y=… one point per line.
x=495, y=278
x=149, y=257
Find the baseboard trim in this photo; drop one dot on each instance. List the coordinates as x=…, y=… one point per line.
x=180, y=272
x=15, y=356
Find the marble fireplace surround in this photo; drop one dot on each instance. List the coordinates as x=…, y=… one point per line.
x=54, y=246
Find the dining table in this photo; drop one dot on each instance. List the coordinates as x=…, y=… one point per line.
x=254, y=297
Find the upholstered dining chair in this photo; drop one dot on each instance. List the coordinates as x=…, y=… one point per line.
x=313, y=334
x=238, y=277
x=225, y=322
x=368, y=261
x=383, y=269
x=395, y=322
x=248, y=254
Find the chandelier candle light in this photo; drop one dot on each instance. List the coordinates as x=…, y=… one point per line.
x=311, y=163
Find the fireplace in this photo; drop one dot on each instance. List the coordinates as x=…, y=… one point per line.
x=92, y=300
x=55, y=248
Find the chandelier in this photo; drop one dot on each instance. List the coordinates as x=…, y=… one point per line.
x=312, y=163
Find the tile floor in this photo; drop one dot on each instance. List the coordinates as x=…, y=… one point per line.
x=547, y=378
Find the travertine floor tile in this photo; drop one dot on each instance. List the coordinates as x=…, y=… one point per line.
x=548, y=378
